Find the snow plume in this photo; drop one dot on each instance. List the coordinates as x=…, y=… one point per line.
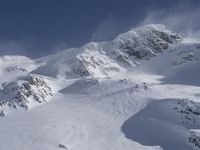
x=11, y=47
x=109, y=28
x=105, y=29
x=31, y=47
x=183, y=18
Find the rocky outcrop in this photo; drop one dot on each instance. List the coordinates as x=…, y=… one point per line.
x=24, y=93
x=145, y=42
x=194, y=138
x=190, y=111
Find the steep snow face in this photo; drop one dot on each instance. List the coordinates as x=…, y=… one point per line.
x=96, y=60
x=24, y=93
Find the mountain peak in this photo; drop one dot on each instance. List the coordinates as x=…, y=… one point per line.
x=150, y=31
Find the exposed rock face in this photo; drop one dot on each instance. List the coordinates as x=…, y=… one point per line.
x=195, y=138
x=24, y=92
x=14, y=69
x=147, y=41
x=189, y=110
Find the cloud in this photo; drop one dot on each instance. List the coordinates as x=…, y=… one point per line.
x=30, y=48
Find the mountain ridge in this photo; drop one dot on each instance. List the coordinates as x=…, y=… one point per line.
x=100, y=59
x=119, y=94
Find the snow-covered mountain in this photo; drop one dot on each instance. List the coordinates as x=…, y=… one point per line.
x=105, y=59
x=139, y=91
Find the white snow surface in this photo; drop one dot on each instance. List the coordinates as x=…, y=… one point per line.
x=140, y=91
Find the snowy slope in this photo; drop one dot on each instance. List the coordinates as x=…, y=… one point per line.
x=139, y=91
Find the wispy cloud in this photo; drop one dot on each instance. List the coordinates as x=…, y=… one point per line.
x=183, y=18
x=11, y=47
x=109, y=28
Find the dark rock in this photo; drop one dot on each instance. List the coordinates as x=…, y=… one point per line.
x=62, y=146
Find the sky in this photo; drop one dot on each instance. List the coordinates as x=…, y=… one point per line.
x=37, y=28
